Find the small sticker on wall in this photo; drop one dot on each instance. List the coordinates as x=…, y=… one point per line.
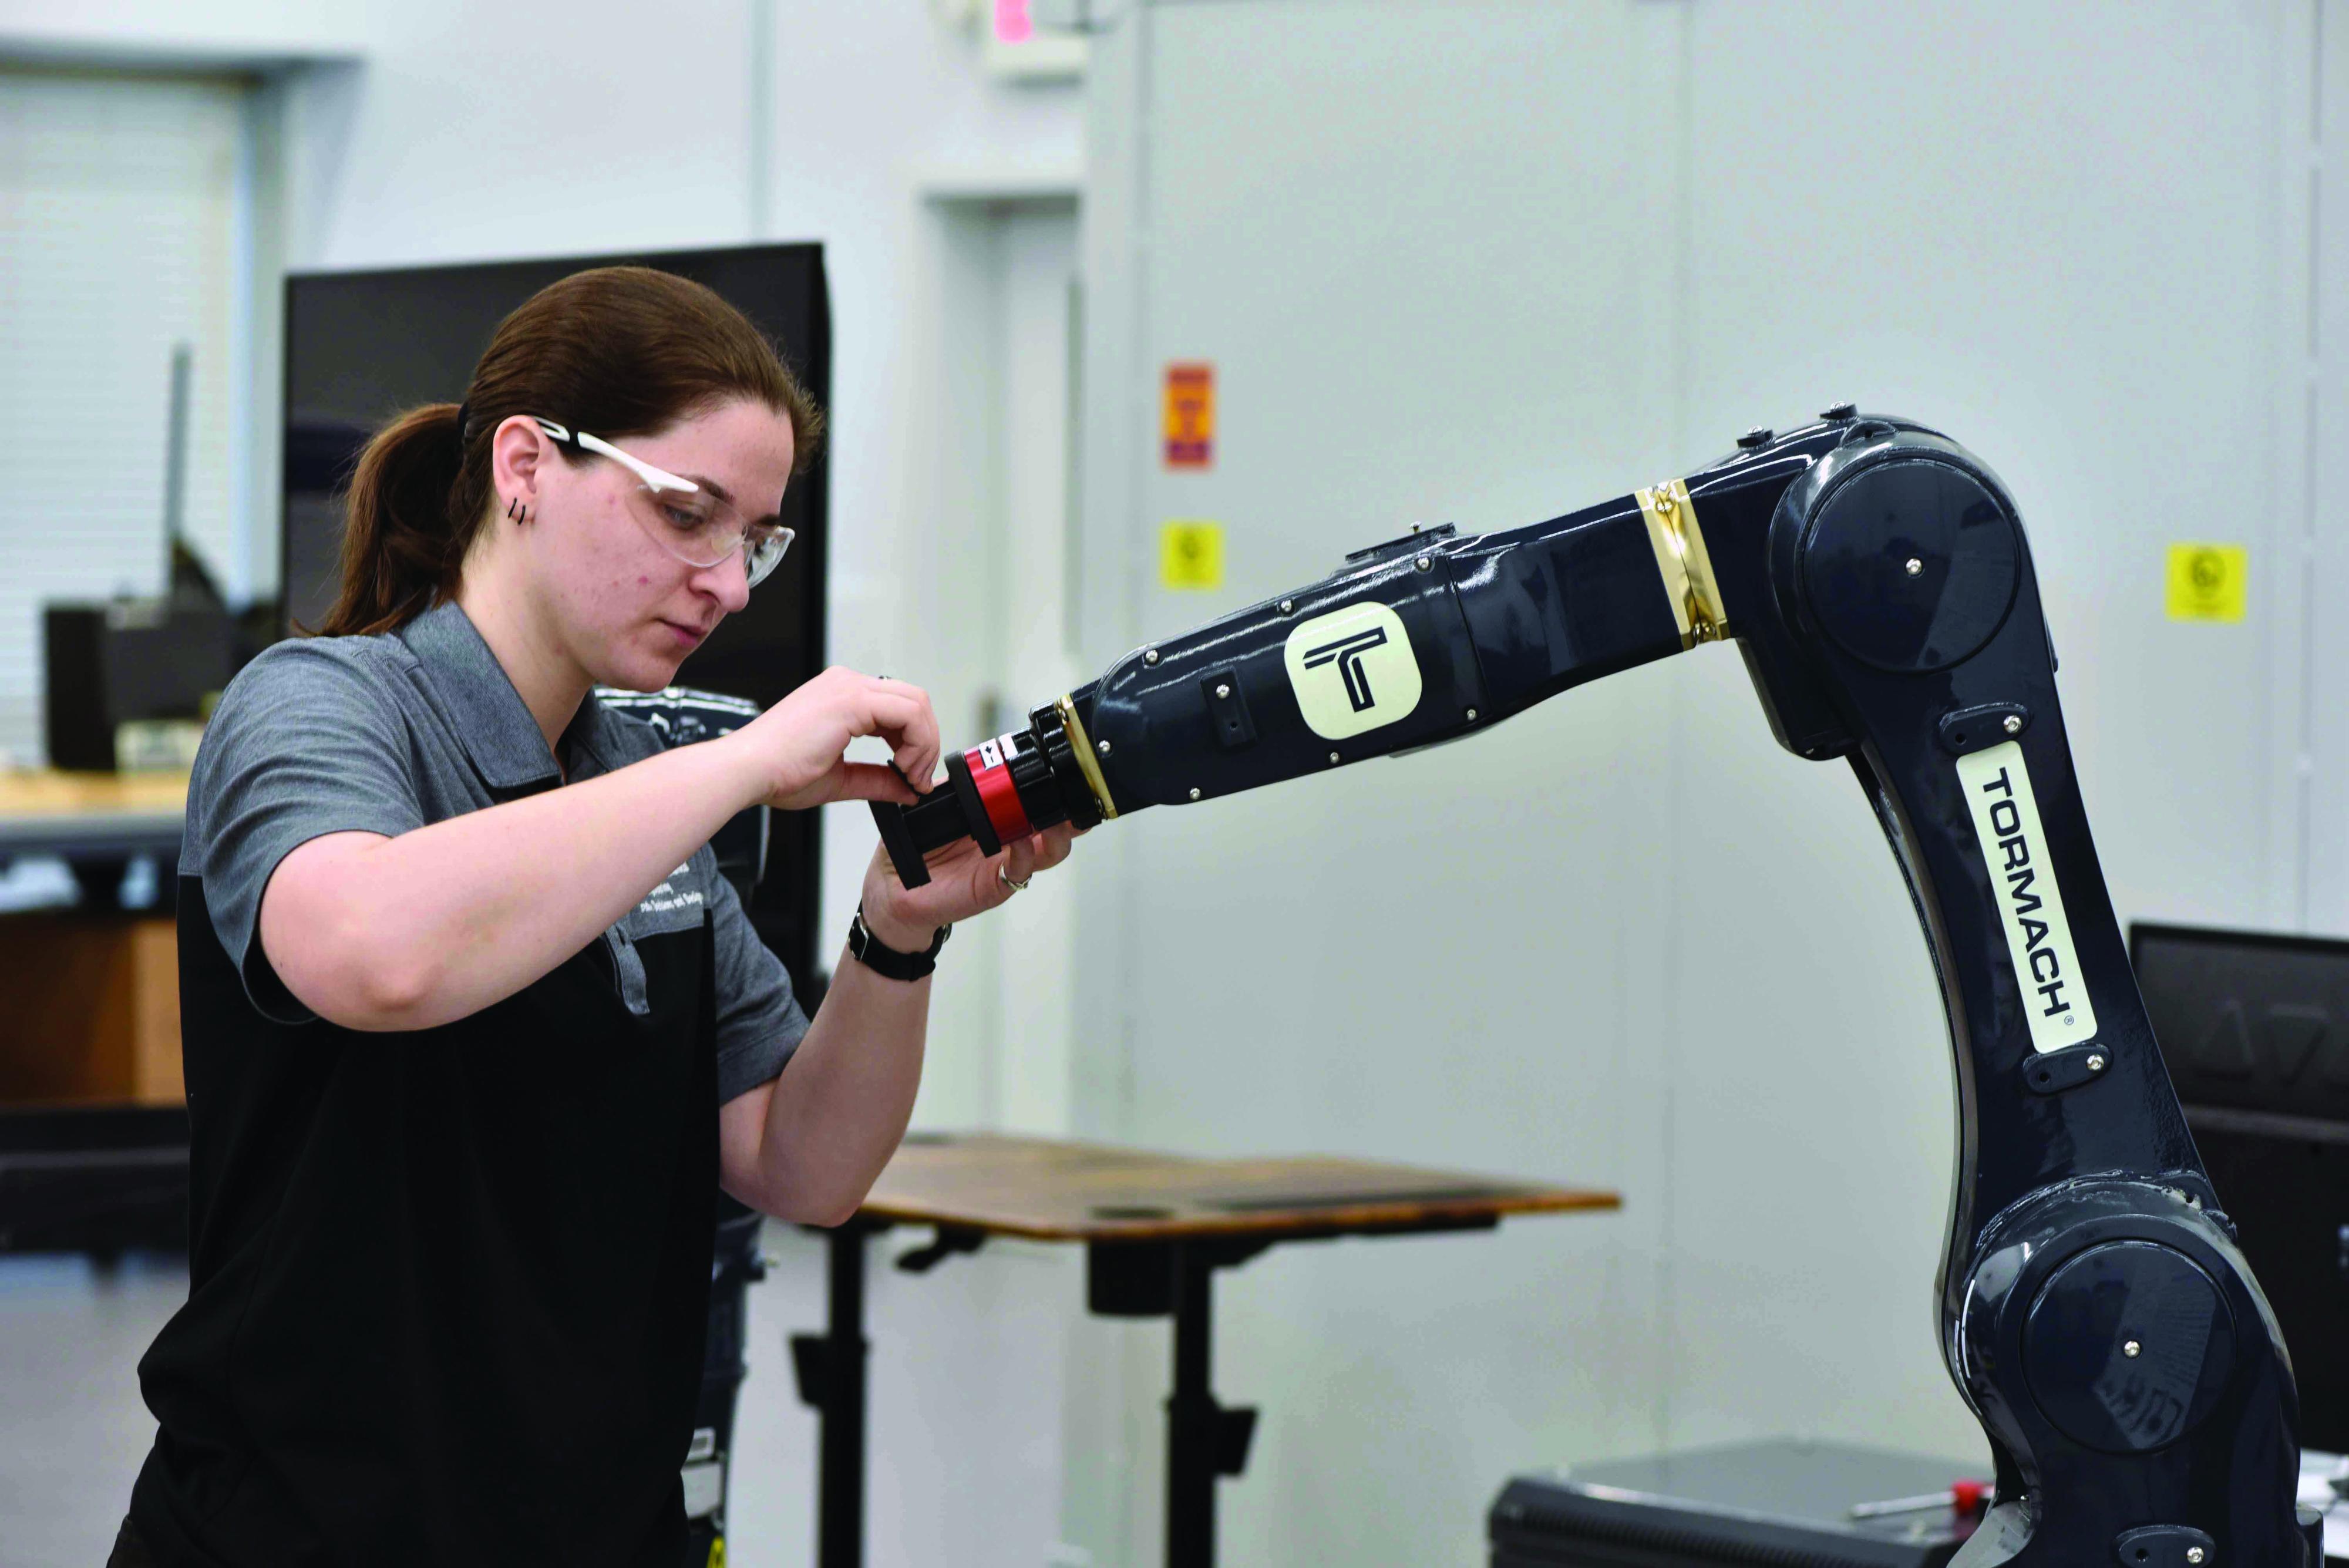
x=1189, y=420
x=1191, y=555
x=2209, y=582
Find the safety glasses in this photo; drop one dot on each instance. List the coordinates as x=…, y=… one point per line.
x=685, y=518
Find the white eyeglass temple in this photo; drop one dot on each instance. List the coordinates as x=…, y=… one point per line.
x=659, y=478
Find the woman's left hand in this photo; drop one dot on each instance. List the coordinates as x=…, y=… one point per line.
x=963, y=882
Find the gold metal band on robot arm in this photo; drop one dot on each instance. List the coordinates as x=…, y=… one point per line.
x=1681, y=558
x=1082, y=743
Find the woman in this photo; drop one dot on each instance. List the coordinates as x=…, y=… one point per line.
x=472, y=1026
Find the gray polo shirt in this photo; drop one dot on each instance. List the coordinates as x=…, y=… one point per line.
x=386, y=734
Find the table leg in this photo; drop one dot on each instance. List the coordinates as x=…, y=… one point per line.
x=831, y=1372
x=1204, y=1441
x=1190, y=1418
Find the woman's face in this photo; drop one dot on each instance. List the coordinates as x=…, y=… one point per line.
x=620, y=604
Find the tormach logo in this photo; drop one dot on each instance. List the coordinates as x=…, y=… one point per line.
x=1348, y=651
x=1352, y=671
x=2030, y=904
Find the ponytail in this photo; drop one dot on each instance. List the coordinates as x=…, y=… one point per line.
x=620, y=351
x=405, y=533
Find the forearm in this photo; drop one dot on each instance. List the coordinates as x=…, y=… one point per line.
x=440, y=922
x=808, y=1146
x=840, y=1108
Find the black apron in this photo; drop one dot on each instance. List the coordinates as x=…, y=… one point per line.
x=448, y=1289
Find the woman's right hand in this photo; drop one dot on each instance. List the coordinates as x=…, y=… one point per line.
x=799, y=746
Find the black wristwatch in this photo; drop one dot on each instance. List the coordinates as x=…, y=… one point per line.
x=885, y=961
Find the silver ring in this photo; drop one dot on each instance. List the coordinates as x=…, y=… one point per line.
x=1004, y=876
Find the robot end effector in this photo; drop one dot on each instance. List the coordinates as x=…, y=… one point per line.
x=1000, y=791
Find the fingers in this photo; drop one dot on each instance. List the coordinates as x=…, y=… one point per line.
x=901, y=714
x=1022, y=858
x=873, y=781
x=1053, y=846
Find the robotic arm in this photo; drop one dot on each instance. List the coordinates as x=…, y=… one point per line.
x=2095, y=1312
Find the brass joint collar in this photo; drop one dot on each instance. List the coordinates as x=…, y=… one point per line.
x=1681, y=560
x=1081, y=744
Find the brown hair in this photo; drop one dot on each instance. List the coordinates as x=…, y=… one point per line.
x=618, y=351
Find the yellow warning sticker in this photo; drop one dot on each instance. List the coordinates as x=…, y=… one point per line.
x=1191, y=555
x=717, y=1551
x=2209, y=582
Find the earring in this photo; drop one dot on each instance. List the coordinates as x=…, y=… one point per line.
x=517, y=511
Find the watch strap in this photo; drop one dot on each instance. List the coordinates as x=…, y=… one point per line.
x=885, y=961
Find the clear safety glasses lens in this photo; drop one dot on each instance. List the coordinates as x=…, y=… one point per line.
x=702, y=530
x=765, y=553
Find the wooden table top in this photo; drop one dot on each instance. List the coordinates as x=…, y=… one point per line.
x=1052, y=1190
x=42, y=810
x=45, y=792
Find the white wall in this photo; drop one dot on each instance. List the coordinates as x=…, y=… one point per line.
x=992, y=430
x=2315, y=389
x=120, y=218
x=1488, y=261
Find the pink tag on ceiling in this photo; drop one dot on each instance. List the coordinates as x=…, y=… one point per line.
x=1011, y=23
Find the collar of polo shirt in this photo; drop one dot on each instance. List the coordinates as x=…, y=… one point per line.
x=500, y=736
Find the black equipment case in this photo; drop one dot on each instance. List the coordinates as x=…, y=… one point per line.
x=1781, y=1503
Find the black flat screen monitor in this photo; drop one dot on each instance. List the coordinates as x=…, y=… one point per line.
x=361, y=346
x=2254, y=1029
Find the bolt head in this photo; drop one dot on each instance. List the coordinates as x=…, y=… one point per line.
x=1223, y=690
x=1103, y=747
x=2194, y=1555
x=2131, y=1349
x=1422, y=563
x=1286, y=606
x=1151, y=657
x=1472, y=715
x=1758, y=436
x=1915, y=567
x=1194, y=795
x=2012, y=724
x=1333, y=756
x=2096, y=1063
x=1840, y=412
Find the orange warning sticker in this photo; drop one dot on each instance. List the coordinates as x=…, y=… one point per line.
x=1190, y=415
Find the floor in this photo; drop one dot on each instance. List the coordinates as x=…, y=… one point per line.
x=72, y=1430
